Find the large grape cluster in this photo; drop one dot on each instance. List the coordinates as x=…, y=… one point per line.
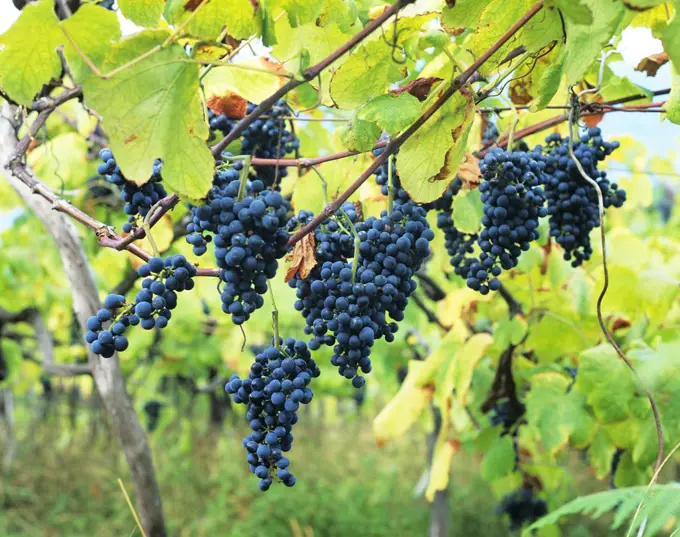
x=513, y=202
x=275, y=388
x=249, y=235
x=163, y=279
x=138, y=199
x=348, y=304
x=263, y=138
x=572, y=201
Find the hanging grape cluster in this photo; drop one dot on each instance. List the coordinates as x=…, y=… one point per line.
x=273, y=391
x=138, y=199
x=163, y=279
x=572, y=202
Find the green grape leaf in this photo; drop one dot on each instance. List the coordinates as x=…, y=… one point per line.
x=574, y=10
x=548, y=83
x=542, y=338
x=360, y=135
x=465, y=14
x=584, y=42
x=153, y=110
x=94, y=30
x=672, y=106
x=600, y=453
x=429, y=159
x=365, y=74
x=142, y=12
x=392, y=113
x=239, y=16
x=544, y=401
x=341, y=12
x=499, y=460
x=671, y=39
x=468, y=211
x=628, y=474
x=28, y=59
x=510, y=332
x=301, y=11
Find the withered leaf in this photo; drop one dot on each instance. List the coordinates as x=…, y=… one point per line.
x=469, y=173
x=230, y=104
x=419, y=88
x=651, y=64
x=302, y=259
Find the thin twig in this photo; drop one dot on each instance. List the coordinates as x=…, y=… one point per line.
x=132, y=508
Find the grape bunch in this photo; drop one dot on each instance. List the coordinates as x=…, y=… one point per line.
x=263, y=138
x=348, y=304
x=522, y=507
x=459, y=245
x=513, y=202
x=490, y=134
x=163, y=279
x=138, y=199
x=572, y=201
x=275, y=388
x=249, y=235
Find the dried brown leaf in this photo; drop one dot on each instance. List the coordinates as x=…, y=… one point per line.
x=302, y=259
x=651, y=64
x=469, y=173
x=230, y=104
x=419, y=88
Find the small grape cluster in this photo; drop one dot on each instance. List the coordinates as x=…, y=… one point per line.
x=275, y=388
x=506, y=413
x=572, y=201
x=138, y=199
x=459, y=245
x=163, y=279
x=513, y=202
x=248, y=224
x=522, y=507
x=263, y=138
x=490, y=134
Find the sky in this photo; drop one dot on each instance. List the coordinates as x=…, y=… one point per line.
x=659, y=137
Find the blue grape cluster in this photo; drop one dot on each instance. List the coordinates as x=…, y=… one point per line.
x=522, y=507
x=249, y=236
x=163, y=279
x=459, y=245
x=513, y=202
x=348, y=304
x=572, y=202
x=275, y=388
x=490, y=134
x=263, y=138
x=138, y=199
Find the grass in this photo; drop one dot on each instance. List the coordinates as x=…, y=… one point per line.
x=65, y=484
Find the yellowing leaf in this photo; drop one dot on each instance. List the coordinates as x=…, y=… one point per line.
x=254, y=86
x=440, y=469
x=467, y=358
x=403, y=410
x=392, y=113
x=239, y=17
x=429, y=159
x=153, y=110
x=28, y=59
x=468, y=211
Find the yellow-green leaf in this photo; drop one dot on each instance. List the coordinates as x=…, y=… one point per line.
x=360, y=135
x=142, y=12
x=468, y=211
x=672, y=106
x=153, y=110
x=28, y=59
x=240, y=17
x=429, y=159
x=440, y=469
x=368, y=72
x=466, y=359
x=254, y=86
x=404, y=409
x=392, y=113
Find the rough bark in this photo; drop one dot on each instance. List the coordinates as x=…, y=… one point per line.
x=106, y=372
